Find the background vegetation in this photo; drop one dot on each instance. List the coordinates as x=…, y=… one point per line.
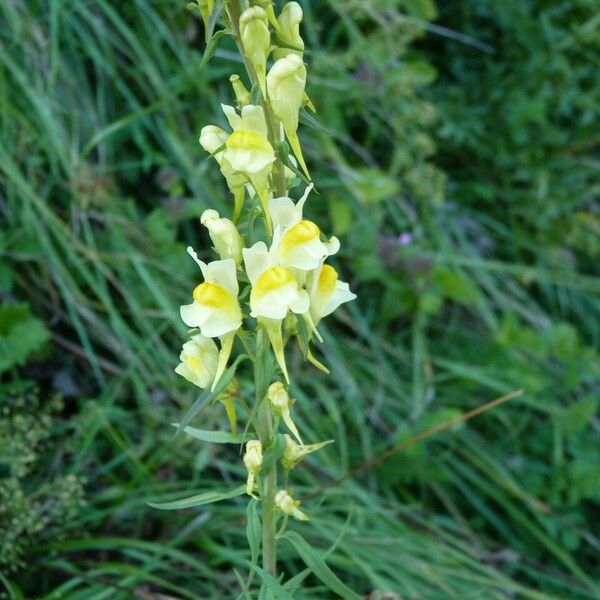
x=460, y=168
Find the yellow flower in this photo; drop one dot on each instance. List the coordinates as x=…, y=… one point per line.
x=299, y=244
x=280, y=405
x=199, y=358
x=327, y=292
x=245, y=155
x=212, y=139
x=215, y=309
x=253, y=461
x=274, y=288
x=288, y=30
x=256, y=41
x=274, y=293
x=285, y=83
x=287, y=505
x=224, y=235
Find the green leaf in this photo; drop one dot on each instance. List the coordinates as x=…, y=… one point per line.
x=318, y=566
x=215, y=437
x=309, y=120
x=212, y=46
x=271, y=588
x=293, y=584
x=20, y=335
x=254, y=534
x=199, y=500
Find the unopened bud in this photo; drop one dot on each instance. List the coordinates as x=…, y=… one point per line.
x=253, y=462
x=280, y=405
x=295, y=452
x=287, y=505
x=278, y=397
x=288, y=30
x=256, y=41
x=286, y=82
x=242, y=95
x=224, y=235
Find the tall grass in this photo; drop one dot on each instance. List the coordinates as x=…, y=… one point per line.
x=101, y=184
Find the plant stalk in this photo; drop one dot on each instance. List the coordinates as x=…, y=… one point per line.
x=264, y=424
x=269, y=486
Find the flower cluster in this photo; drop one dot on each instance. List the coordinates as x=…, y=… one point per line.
x=280, y=284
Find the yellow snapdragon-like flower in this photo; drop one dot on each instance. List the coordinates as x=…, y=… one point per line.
x=274, y=288
x=215, y=309
x=245, y=155
x=248, y=149
x=287, y=505
x=274, y=293
x=199, y=358
x=327, y=292
x=224, y=235
x=285, y=83
x=256, y=41
x=281, y=404
x=300, y=244
x=212, y=139
x=253, y=461
x=288, y=31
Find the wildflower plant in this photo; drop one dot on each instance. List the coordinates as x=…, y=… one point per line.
x=269, y=285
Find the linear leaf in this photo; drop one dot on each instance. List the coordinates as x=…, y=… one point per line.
x=318, y=566
x=215, y=437
x=199, y=500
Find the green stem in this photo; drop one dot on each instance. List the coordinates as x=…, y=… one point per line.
x=268, y=488
x=264, y=424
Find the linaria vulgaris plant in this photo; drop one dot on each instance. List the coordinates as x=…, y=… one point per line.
x=271, y=284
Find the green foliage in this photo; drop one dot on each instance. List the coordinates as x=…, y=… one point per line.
x=466, y=291
x=21, y=335
x=37, y=503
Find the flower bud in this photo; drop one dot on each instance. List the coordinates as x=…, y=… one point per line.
x=206, y=8
x=287, y=505
x=253, y=462
x=288, y=30
x=256, y=41
x=227, y=399
x=280, y=405
x=294, y=452
x=224, y=235
x=286, y=82
x=242, y=95
x=199, y=359
x=267, y=6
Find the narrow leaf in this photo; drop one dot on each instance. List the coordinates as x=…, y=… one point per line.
x=318, y=566
x=310, y=121
x=215, y=437
x=270, y=584
x=212, y=46
x=199, y=500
